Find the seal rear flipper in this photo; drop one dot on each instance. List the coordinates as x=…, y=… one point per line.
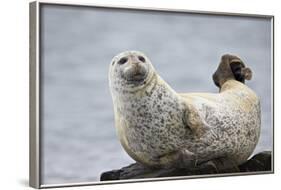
x=231, y=67
x=240, y=71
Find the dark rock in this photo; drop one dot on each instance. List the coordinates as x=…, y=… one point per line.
x=259, y=162
x=110, y=175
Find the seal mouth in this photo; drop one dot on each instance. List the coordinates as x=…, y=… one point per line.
x=135, y=75
x=137, y=78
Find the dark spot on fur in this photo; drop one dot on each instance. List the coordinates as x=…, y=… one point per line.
x=249, y=133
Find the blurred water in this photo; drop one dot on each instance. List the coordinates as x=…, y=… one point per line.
x=79, y=140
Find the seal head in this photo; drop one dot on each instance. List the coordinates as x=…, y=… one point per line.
x=131, y=70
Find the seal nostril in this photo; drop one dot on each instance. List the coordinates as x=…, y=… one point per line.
x=141, y=58
x=123, y=61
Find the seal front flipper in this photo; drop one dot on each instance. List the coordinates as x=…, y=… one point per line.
x=193, y=121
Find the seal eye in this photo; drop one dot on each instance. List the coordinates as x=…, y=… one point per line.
x=141, y=58
x=123, y=61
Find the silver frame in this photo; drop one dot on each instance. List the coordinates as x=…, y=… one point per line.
x=35, y=92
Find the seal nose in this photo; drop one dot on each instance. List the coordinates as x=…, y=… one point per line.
x=136, y=64
x=129, y=59
x=135, y=61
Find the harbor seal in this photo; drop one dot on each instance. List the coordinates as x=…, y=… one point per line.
x=161, y=128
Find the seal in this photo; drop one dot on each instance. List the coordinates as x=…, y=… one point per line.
x=161, y=128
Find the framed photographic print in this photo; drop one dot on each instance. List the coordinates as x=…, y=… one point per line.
x=131, y=94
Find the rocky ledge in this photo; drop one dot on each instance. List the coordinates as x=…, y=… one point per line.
x=259, y=162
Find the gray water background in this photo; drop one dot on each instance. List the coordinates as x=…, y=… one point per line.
x=79, y=141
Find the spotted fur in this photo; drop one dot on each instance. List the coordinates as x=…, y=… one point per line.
x=156, y=125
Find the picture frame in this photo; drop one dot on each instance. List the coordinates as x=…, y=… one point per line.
x=37, y=89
